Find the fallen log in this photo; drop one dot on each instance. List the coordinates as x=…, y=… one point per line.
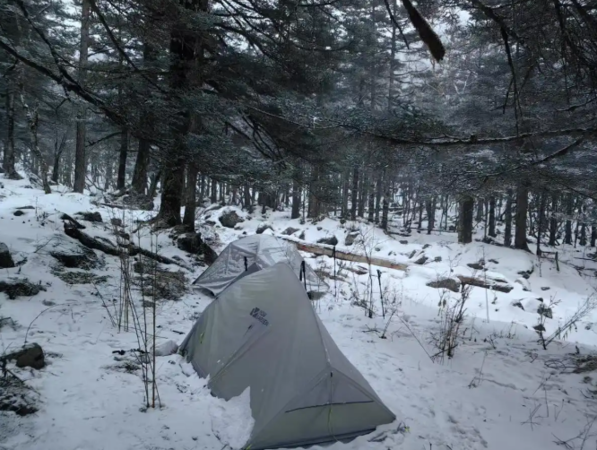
x=71, y=230
x=319, y=249
x=491, y=284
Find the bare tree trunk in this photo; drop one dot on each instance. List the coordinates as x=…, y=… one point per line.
x=522, y=206
x=386, y=205
x=465, y=222
x=508, y=219
x=540, y=220
x=492, y=231
x=80, y=157
x=296, y=200
x=371, y=203
x=568, y=227
x=124, y=148
x=190, y=198
x=139, y=183
x=430, y=205
x=553, y=221
x=354, y=193
x=392, y=75
x=378, y=194
x=9, y=147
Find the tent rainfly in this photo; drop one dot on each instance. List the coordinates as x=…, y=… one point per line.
x=251, y=254
x=262, y=333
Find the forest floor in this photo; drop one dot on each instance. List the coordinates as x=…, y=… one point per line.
x=500, y=390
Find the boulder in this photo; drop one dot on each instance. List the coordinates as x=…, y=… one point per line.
x=403, y=242
x=190, y=243
x=422, y=260
x=477, y=266
x=333, y=241
x=116, y=222
x=445, y=283
x=20, y=288
x=288, y=231
x=230, y=219
x=6, y=261
x=350, y=238
x=263, y=227
x=545, y=311
x=138, y=201
x=18, y=213
x=302, y=235
x=30, y=355
x=91, y=216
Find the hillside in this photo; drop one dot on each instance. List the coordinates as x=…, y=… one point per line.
x=500, y=390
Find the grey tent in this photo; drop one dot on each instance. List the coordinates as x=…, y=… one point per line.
x=250, y=254
x=263, y=333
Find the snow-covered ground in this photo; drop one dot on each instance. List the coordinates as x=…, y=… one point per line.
x=501, y=390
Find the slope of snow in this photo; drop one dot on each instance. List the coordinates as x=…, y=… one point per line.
x=500, y=391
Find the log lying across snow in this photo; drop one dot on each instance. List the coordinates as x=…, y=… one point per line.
x=71, y=230
x=345, y=256
x=326, y=250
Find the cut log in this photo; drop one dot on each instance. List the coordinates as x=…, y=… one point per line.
x=71, y=230
x=319, y=249
x=491, y=284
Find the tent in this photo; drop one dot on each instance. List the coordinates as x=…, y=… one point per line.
x=263, y=334
x=250, y=254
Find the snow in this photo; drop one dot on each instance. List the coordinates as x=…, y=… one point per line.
x=501, y=390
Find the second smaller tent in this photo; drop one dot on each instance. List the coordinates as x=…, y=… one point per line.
x=251, y=254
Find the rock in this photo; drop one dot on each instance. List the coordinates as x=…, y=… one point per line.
x=166, y=348
x=230, y=219
x=30, y=355
x=545, y=288
x=494, y=261
x=18, y=213
x=288, y=231
x=526, y=274
x=302, y=235
x=437, y=259
x=422, y=260
x=426, y=246
x=445, y=283
x=524, y=283
x=411, y=254
x=91, y=216
x=403, y=242
x=20, y=288
x=190, y=243
x=333, y=241
x=116, y=222
x=350, y=238
x=518, y=304
x=6, y=261
x=476, y=266
x=539, y=327
x=138, y=201
x=262, y=227
x=545, y=311
x=78, y=257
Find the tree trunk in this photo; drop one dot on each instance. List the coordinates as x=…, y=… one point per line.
x=553, y=221
x=371, y=203
x=593, y=235
x=480, y=204
x=185, y=50
x=296, y=200
x=190, y=198
x=522, y=206
x=540, y=220
x=430, y=205
x=9, y=147
x=354, y=193
x=139, y=183
x=492, y=231
x=80, y=157
x=124, y=148
x=508, y=219
x=386, y=206
x=378, y=194
x=568, y=227
x=465, y=219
